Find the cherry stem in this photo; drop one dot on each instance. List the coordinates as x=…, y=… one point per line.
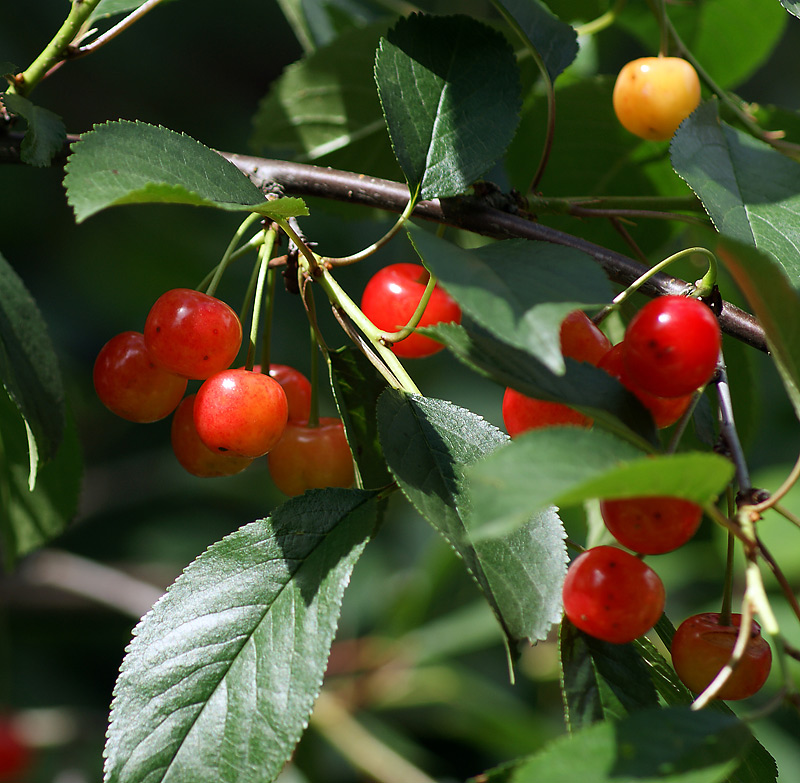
x=413, y=322
x=661, y=265
x=782, y=491
x=313, y=415
x=375, y=246
x=263, y=255
x=727, y=586
x=266, y=333
x=727, y=427
x=313, y=262
x=601, y=22
x=227, y=256
x=54, y=52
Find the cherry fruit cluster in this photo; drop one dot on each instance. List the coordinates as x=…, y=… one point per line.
x=236, y=415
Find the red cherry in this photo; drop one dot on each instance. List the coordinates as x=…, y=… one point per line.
x=193, y=455
x=296, y=386
x=651, y=525
x=702, y=646
x=521, y=413
x=671, y=346
x=241, y=412
x=311, y=457
x=664, y=410
x=130, y=384
x=390, y=299
x=612, y=595
x=15, y=754
x=192, y=334
x=580, y=340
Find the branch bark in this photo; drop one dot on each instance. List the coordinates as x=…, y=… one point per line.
x=466, y=212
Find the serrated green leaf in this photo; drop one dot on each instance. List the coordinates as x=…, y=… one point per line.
x=555, y=41
x=750, y=191
x=221, y=675
x=324, y=109
x=590, y=390
x=775, y=301
x=673, y=744
x=429, y=444
x=135, y=163
x=563, y=466
x=45, y=134
x=30, y=518
x=356, y=387
x=519, y=290
x=29, y=368
x=449, y=88
x=579, y=687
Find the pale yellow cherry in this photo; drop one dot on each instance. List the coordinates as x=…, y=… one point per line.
x=654, y=95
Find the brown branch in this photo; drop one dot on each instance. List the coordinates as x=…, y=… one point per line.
x=468, y=213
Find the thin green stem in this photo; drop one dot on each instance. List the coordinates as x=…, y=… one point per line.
x=264, y=255
x=727, y=585
x=339, y=299
x=375, y=246
x=54, y=52
x=313, y=416
x=601, y=22
x=416, y=317
x=227, y=256
x=305, y=250
x=782, y=491
x=266, y=332
x=118, y=28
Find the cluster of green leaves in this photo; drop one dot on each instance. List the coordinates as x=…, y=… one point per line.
x=221, y=676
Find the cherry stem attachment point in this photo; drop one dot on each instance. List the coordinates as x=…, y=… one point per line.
x=263, y=255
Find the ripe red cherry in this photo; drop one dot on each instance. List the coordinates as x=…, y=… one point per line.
x=580, y=340
x=522, y=413
x=192, y=454
x=651, y=525
x=311, y=457
x=296, y=386
x=671, y=346
x=192, y=334
x=702, y=646
x=240, y=412
x=15, y=754
x=130, y=384
x=664, y=410
x=390, y=299
x=612, y=595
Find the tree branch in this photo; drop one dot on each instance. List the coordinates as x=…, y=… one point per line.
x=465, y=212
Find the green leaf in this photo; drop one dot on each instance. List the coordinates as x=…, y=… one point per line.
x=31, y=517
x=555, y=41
x=317, y=23
x=45, y=135
x=792, y=6
x=222, y=673
x=135, y=163
x=29, y=368
x=588, y=664
x=564, y=466
x=590, y=390
x=357, y=386
x=673, y=744
x=775, y=301
x=324, y=109
x=751, y=192
x=449, y=88
x=429, y=445
x=519, y=290
x=109, y=8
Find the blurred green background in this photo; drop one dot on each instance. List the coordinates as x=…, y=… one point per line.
x=419, y=657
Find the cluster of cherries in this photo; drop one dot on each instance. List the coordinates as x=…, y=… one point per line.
x=236, y=415
x=670, y=349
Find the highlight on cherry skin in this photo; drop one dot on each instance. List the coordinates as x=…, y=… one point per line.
x=192, y=454
x=130, y=383
x=192, y=334
x=612, y=595
x=651, y=525
x=671, y=346
x=241, y=412
x=654, y=95
x=311, y=457
x=702, y=646
x=392, y=295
